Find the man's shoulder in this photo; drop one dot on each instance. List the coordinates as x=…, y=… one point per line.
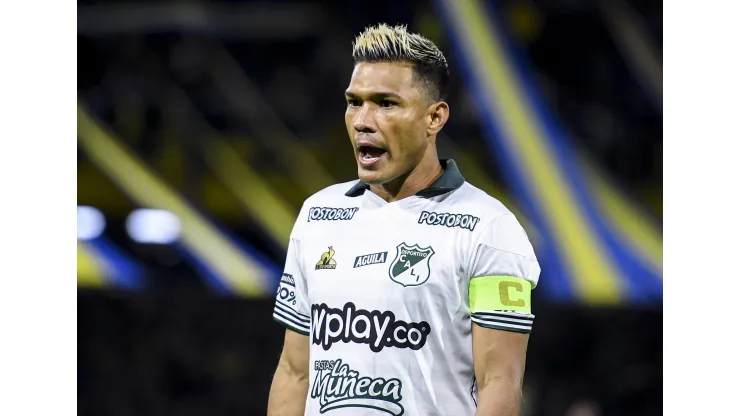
x=497, y=224
x=330, y=203
x=332, y=194
x=479, y=203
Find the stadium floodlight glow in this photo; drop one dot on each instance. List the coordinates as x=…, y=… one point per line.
x=153, y=226
x=90, y=222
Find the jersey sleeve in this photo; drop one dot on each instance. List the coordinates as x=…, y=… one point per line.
x=291, y=303
x=503, y=272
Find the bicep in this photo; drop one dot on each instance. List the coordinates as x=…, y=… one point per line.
x=295, y=356
x=499, y=354
x=292, y=311
x=501, y=320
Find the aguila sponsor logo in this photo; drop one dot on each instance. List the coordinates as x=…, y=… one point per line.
x=369, y=259
x=338, y=386
x=375, y=328
x=331, y=214
x=464, y=221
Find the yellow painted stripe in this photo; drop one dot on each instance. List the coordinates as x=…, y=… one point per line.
x=273, y=213
x=629, y=222
x=595, y=278
x=240, y=273
x=631, y=37
x=304, y=168
x=90, y=271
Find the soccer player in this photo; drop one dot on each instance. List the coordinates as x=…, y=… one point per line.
x=406, y=292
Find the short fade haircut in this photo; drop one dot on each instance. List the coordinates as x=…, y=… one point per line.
x=383, y=43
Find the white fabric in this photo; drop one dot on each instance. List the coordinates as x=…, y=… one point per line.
x=422, y=364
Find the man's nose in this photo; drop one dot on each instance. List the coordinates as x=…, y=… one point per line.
x=364, y=121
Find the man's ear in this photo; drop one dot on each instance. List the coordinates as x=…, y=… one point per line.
x=438, y=114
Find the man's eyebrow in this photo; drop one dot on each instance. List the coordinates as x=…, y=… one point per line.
x=376, y=95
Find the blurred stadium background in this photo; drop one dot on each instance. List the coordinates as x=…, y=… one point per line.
x=202, y=126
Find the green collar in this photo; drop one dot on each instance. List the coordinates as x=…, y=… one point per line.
x=450, y=180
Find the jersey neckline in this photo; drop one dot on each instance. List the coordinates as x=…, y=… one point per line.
x=450, y=180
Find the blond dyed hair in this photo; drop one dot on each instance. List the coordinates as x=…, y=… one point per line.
x=384, y=43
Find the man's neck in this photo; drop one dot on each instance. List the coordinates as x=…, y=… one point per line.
x=423, y=175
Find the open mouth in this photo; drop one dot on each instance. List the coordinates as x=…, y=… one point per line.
x=370, y=154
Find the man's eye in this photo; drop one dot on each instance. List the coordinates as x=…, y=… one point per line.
x=353, y=103
x=387, y=103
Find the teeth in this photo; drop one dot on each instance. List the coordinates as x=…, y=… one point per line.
x=368, y=157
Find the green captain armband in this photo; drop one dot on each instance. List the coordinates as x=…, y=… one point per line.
x=500, y=293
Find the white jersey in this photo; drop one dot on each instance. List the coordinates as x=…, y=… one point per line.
x=385, y=293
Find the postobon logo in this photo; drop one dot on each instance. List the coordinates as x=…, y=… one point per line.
x=331, y=214
x=338, y=386
x=464, y=221
x=375, y=328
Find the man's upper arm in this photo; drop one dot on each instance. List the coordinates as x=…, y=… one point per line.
x=292, y=308
x=295, y=356
x=291, y=303
x=503, y=272
x=499, y=354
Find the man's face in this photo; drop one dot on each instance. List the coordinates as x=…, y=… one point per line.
x=387, y=120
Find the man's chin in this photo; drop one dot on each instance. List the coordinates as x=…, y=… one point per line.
x=371, y=177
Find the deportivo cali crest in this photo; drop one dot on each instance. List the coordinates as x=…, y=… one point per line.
x=411, y=265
